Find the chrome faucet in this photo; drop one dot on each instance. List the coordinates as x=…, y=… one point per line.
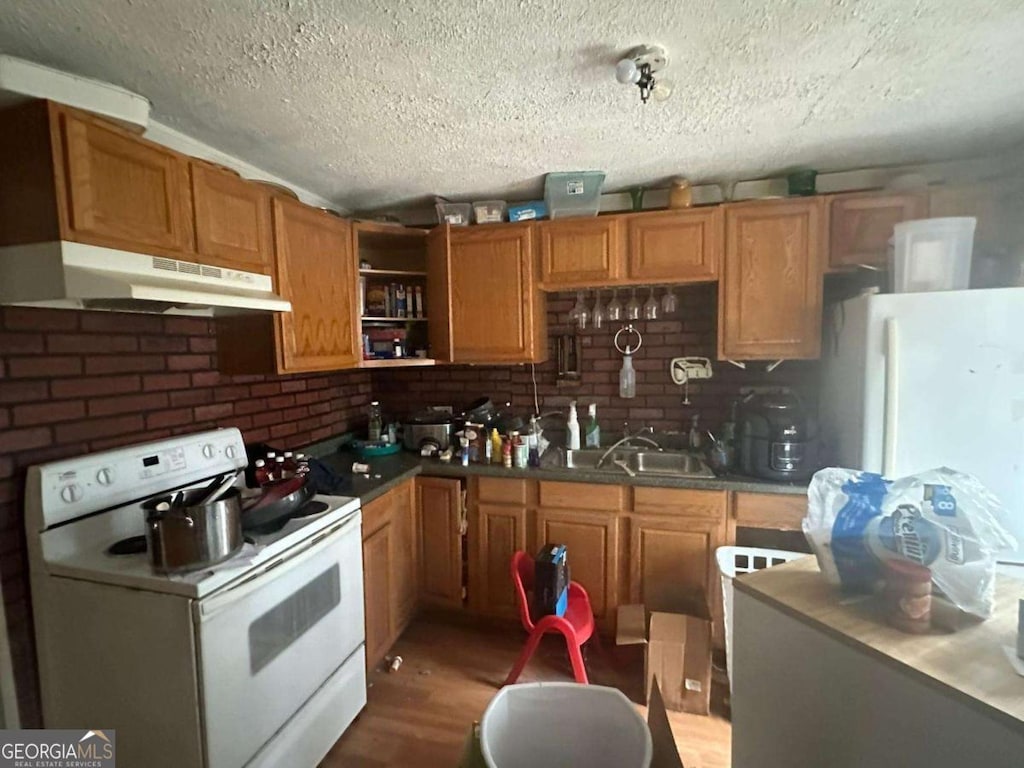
x=638, y=437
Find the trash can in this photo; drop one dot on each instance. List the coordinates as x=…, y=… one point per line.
x=539, y=724
x=735, y=560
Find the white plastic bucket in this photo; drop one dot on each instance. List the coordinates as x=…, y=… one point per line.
x=933, y=254
x=553, y=724
x=734, y=560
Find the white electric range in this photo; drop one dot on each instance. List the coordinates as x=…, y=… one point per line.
x=258, y=661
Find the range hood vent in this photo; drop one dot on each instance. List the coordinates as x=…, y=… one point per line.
x=78, y=276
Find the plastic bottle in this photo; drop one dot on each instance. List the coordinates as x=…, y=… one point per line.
x=488, y=450
x=302, y=464
x=279, y=472
x=290, y=465
x=627, y=377
x=533, y=444
x=696, y=437
x=506, y=452
x=572, y=425
x=261, y=474
x=593, y=431
x=376, y=424
x=495, y=447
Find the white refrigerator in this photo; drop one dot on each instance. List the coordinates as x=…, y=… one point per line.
x=914, y=381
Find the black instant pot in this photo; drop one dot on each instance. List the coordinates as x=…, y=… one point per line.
x=777, y=438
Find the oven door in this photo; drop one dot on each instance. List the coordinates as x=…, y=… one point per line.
x=268, y=643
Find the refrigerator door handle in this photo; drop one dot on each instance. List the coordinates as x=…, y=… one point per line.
x=892, y=397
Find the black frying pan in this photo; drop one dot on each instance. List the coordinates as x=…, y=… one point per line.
x=279, y=500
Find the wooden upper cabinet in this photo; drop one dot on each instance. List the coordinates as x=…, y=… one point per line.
x=122, y=191
x=579, y=253
x=860, y=226
x=769, y=304
x=674, y=246
x=315, y=271
x=482, y=295
x=232, y=220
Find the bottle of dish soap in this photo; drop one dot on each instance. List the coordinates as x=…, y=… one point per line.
x=593, y=431
x=696, y=438
x=572, y=425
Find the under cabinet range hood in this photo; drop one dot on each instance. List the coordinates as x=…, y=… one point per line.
x=78, y=276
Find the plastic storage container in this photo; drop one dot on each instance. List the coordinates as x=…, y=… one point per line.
x=528, y=211
x=573, y=194
x=555, y=724
x=932, y=255
x=489, y=211
x=735, y=560
x=459, y=214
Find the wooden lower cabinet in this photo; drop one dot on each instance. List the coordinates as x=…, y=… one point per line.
x=439, y=521
x=390, y=576
x=594, y=553
x=497, y=532
x=672, y=558
x=377, y=561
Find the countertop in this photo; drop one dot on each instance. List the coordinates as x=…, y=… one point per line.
x=969, y=663
x=388, y=471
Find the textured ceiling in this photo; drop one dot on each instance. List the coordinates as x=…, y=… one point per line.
x=374, y=103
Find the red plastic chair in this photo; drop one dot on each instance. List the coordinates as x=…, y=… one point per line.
x=577, y=625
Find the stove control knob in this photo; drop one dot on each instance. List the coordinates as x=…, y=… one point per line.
x=105, y=476
x=69, y=494
x=208, y=451
x=230, y=451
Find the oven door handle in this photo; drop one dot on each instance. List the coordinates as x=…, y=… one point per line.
x=276, y=568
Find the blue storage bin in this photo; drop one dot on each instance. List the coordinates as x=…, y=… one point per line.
x=531, y=211
x=577, y=193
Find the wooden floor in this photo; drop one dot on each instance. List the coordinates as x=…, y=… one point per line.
x=419, y=716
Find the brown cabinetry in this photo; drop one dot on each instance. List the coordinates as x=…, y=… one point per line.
x=580, y=253
x=769, y=304
x=860, y=226
x=592, y=538
x=232, y=220
x=498, y=531
x=389, y=569
x=483, y=297
x=674, y=246
x=314, y=270
x=439, y=513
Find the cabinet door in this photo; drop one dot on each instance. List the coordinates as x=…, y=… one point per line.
x=769, y=303
x=377, y=593
x=123, y=191
x=316, y=273
x=232, y=218
x=496, y=532
x=860, y=226
x=496, y=312
x=675, y=246
x=405, y=557
x=593, y=542
x=439, y=509
x=579, y=253
x=672, y=557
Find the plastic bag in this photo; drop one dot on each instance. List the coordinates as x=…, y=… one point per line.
x=944, y=520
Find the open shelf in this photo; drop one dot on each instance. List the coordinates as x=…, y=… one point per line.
x=392, y=272
x=370, y=319
x=398, y=362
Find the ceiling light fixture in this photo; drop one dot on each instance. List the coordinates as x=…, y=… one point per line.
x=638, y=68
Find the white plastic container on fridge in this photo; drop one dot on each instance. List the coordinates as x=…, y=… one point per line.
x=933, y=254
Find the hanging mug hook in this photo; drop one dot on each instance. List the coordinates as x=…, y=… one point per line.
x=630, y=331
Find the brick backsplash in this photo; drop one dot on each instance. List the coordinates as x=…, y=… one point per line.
x=74, y=382
x=690, y=331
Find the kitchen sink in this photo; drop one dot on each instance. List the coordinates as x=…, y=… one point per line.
x=637, y=462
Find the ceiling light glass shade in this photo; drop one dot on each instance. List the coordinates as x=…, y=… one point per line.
x=662, y=90
x=626, y=72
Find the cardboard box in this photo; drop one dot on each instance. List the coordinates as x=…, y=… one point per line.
x=677, y=654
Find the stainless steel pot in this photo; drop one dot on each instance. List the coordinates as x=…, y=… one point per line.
x=189, y=535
